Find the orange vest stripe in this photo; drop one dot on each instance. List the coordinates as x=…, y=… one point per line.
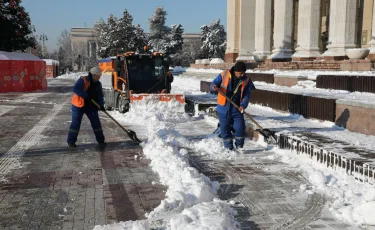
x=77, y=100
x=225, y=76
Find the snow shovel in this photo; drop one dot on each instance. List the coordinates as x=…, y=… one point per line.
x=268, y=134
x=130, y=133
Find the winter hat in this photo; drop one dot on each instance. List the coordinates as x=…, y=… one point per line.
x=240, y=67
x=95, y=71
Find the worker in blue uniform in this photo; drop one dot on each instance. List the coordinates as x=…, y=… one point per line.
x=237, y=86
x=87, y=88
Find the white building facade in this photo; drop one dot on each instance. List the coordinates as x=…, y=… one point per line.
x=298, y=30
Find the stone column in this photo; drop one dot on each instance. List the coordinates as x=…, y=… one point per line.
x=233, y=13
x=247, y=30
x=283, y=31
x=371, y=56
x=263, y=11
x=308, y=30
x=341, y=29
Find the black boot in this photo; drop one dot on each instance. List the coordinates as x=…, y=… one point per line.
x=72, y=145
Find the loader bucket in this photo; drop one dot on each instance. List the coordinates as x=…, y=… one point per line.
x=160, y=97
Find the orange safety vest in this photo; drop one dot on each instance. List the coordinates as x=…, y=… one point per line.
x=225, y=75
x=77, y=100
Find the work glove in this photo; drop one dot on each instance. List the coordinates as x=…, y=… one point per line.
x=214, y=89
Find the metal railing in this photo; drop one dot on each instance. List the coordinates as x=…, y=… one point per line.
x=360, y=168
x=349, y=83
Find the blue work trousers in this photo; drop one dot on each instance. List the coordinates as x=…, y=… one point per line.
x=93, y=115
x=227, y=121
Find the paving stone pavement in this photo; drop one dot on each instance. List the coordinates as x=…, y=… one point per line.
x=59, y=188
x=265, y=190
x=267, y=197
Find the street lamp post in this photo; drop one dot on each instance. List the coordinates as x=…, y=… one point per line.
x=43, y=38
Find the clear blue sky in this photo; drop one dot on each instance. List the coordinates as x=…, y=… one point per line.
x=50, y=17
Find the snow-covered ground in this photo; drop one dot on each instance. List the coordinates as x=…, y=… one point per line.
x=191, y=199
x=72, y=75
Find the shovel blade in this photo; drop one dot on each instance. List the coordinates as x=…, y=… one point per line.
x=269, y=136
x=133, y=135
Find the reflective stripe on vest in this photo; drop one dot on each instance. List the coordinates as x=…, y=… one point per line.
x=221, y=100
x=77, y=100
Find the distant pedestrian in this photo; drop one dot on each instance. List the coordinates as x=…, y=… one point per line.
x=237, y=86
x=87, y=88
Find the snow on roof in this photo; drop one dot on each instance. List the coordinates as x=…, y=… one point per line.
x=51, y=62
x=18, y=56
x=48, y=61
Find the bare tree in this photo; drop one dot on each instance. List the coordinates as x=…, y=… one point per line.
x=65, y=55
x=79, y=56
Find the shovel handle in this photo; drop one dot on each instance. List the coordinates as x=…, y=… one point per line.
x=96, y=104
x=235, y=105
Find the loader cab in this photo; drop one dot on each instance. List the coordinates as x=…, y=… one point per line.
x=145, y=71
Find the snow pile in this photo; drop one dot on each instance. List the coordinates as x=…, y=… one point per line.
x=190, y=198
x=351, y=201
x=204, y=70
x=217, y=61
x=72, y=75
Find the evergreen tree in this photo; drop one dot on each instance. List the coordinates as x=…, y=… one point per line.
x=139, y=38
x=119, y=35
x=177, y=39
x=110, y=35
x=158, y=38
x=214, y=40
x=125, y=34
x=16, y=31
x=205, y=33
x=174, y=48
x=101, y=38
x=106, y=34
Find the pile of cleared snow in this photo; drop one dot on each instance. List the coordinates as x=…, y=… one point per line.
x=217, y=61
x=204, y=70
x=351, y=201
x=72, y=75
x=190, y=201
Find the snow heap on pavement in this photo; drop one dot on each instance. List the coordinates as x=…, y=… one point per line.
x=191, y=201
x=350, y=200
x=72, y=75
